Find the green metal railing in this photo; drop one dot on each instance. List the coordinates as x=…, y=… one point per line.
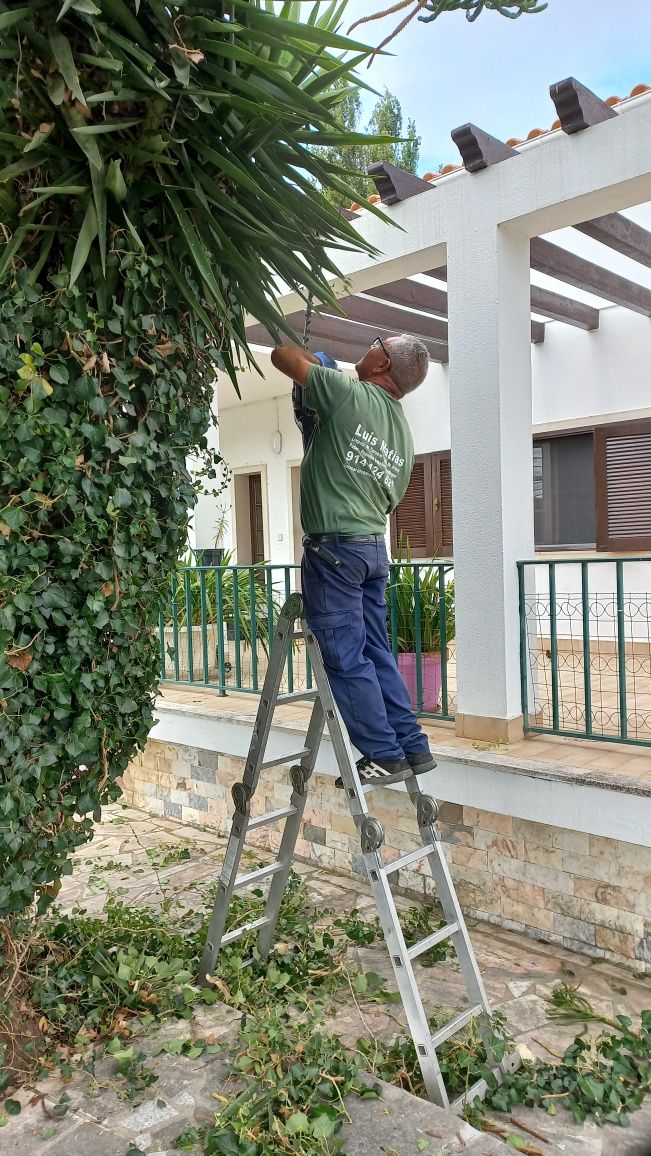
x=217, y=623
x=585, y=648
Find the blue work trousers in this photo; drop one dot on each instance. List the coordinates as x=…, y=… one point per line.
x=346, y=609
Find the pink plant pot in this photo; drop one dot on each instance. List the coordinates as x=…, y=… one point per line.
x=431, y=680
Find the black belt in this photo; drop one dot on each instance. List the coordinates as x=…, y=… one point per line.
x=343, y=538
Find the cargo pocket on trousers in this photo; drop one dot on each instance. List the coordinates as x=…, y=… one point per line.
x=334, y=636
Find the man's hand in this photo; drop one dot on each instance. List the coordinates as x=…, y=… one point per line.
x=293, y=361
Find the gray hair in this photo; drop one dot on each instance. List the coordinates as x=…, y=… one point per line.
x=409, y=362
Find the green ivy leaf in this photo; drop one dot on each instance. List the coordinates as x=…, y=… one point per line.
x=13, y=1107
x=297, y=1124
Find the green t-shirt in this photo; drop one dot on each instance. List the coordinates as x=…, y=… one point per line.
x=358, y=464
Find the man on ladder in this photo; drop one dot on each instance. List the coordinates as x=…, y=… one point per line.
x=356, y=469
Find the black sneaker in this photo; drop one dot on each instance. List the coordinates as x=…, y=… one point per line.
x=420, y=761
x=379, y=772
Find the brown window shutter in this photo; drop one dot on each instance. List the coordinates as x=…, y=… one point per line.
x=623, y=483
x=412, y=522
x=444, y=472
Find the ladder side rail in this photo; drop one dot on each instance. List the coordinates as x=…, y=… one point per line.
x=243, y=791
x=270, y=689
x=300, y=776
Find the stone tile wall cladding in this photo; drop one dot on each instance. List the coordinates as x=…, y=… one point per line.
x=588, y=893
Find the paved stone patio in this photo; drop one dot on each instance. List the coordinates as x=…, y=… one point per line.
x=518, y=973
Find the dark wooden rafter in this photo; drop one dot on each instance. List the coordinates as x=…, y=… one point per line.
x=560, y=308
x=383, y=316
x=553, y=305
x=414, y=295
x=343, y=338
x=577, y=106
x=479, y=149
x=565, y=266
x=394, y=184
x=330, y=328
x=430, y=299
x=621, y=234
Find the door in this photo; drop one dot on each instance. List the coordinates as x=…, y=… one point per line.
x=256, y=516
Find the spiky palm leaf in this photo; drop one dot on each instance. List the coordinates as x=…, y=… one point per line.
x=183, y=130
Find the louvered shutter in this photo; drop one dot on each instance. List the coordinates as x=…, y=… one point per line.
x=623, y=477
x=412, y=522
x=444, y=495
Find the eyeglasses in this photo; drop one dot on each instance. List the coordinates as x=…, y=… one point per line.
x=379, y=341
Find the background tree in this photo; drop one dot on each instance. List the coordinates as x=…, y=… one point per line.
x=385, y=121
x=157, y=181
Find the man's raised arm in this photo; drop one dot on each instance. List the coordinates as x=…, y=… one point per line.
x=293, y=361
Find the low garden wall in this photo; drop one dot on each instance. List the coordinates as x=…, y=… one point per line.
x=584, y=892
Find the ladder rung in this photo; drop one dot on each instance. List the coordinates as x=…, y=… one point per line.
x=244, y=929
x=475, y=1091
x=297, y=696
x=271, y=817
x=456, y=1025
x=432, y=940
x=285, y=759
x=407, y=860
x=259, y=873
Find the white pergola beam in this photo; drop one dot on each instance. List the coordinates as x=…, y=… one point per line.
x=552, y=184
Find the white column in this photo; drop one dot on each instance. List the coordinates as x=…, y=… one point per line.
x=492, y=469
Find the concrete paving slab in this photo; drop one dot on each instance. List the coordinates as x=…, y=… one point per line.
x=519, y=974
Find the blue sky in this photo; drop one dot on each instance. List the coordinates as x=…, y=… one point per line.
x=497, y=72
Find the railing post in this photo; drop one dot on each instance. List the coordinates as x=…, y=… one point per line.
x=553, y=643
x=524, y=647
x=175, y=627
x=204, y=625
x=587, y=672
x=418, y=637
x=621, y=649
x=443, y=636
x=254, y=629
x=221, y=631
x=236, y=625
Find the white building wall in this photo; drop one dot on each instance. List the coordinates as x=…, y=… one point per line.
x=578, y=376
x=245, y=436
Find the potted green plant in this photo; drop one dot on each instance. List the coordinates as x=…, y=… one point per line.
x=214, y=556
x=239, y=600
x=419, y=601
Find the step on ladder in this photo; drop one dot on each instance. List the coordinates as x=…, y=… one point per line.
x=325, y=713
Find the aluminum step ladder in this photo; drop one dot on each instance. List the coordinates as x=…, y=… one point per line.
x=325, y=713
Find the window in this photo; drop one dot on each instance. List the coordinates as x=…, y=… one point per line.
x=623, y=475
x=564, y=491
x=591, y=489
x=423, y=520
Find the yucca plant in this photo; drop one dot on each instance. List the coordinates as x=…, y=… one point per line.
x=241, y=599
x=157, y=183
x=413, y=592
